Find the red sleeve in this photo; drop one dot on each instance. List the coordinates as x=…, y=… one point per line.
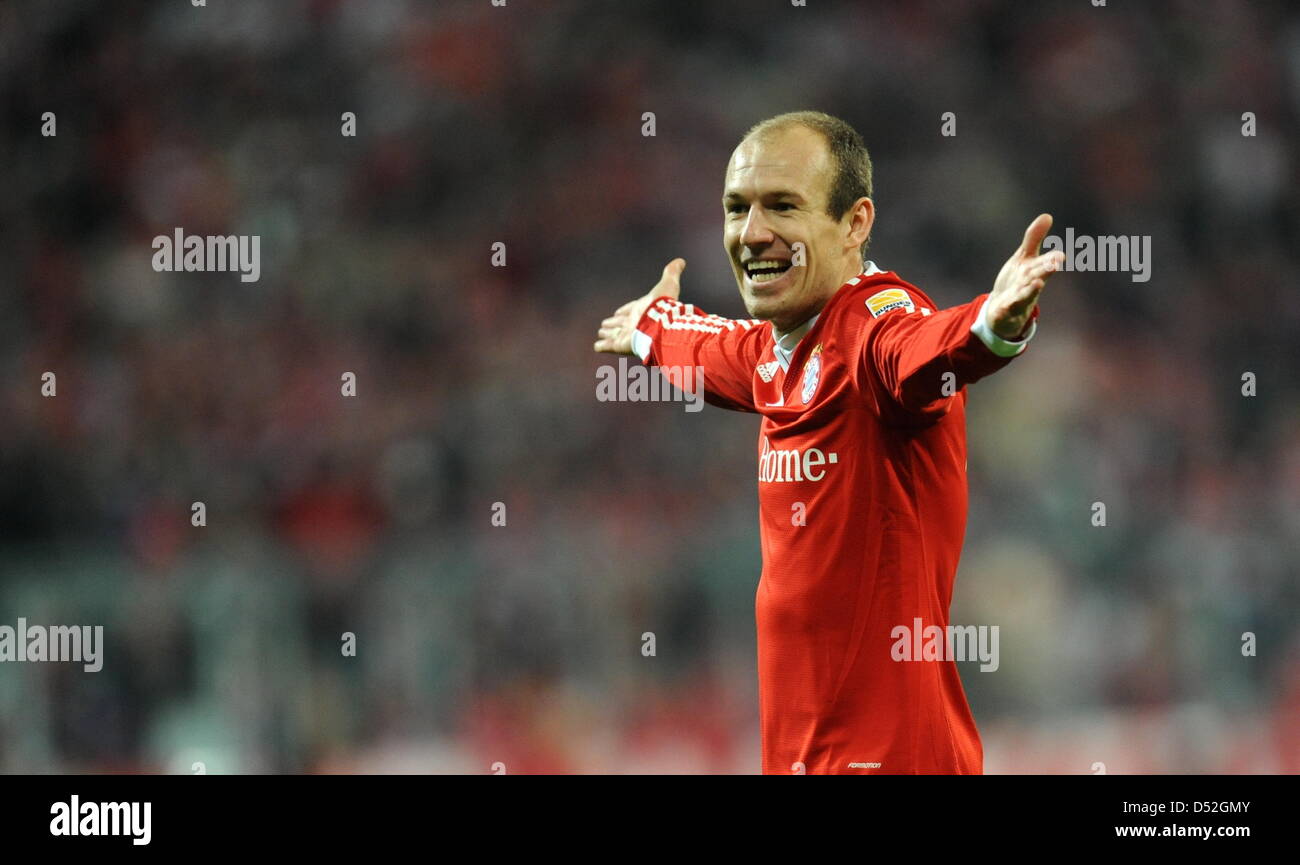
x=919, y=360
x=725, y=349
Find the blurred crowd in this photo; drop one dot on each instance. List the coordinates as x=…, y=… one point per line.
x=526, y=644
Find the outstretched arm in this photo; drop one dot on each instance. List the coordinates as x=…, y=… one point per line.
x=922, y=360
x=690, y=347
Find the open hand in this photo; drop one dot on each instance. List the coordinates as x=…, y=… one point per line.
x=1015, y=291
x=615, y=334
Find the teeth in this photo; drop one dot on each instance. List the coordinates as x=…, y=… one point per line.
x=766, y=271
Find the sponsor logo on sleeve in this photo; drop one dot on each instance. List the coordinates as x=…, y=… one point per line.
x=888, y=300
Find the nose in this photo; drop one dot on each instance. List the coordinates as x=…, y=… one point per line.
x=757, y=231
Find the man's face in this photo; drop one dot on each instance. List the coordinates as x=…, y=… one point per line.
x=774, y=197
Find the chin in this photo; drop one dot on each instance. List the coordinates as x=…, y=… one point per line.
x=760, y=310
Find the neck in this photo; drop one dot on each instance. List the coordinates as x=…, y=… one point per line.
x=796, y=333
x=852, y=267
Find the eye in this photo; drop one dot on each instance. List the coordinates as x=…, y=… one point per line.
x=736, y=207
x=783, y=205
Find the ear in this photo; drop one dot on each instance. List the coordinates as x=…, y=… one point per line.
x=860, y=218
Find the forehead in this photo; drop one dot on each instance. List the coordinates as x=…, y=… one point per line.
x=792, y=160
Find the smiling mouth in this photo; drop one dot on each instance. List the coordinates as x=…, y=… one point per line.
x=762, y=272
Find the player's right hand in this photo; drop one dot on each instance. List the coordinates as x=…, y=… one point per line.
x=615, y=334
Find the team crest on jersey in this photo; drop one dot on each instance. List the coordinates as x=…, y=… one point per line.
x=890, y=299
x=767, y=370
x=812, y=374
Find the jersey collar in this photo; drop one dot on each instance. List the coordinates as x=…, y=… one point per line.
x=786, y=343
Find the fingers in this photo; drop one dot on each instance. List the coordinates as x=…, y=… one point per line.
x=1034, y=235
x=615, y=331
x=1044, y=265
x=670, y=283
x=613, y=342
x=1023, y=290
x=1028, y=291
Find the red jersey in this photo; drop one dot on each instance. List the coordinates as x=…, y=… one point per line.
x=862, y=511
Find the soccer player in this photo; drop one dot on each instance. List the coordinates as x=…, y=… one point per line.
x=860, y=380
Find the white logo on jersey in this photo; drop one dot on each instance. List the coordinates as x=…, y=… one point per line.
x=767, y=370
x=795, y=464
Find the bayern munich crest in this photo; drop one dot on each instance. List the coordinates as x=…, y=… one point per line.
x=812, y=374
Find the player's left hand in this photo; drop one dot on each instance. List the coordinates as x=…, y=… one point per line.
x=1015, y=291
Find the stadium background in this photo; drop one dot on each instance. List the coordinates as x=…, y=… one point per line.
x=521, y=644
